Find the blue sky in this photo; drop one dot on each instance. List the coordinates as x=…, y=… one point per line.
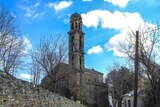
x=105, y=23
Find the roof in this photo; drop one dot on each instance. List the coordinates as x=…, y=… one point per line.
x=76, y=15
x=85, y=69
x=68, y=68
x=131, y=93
x=92, y=71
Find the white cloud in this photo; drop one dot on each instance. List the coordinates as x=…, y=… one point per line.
x=32, y=11
x=121, y=21
x=25, y=76
x=120, y=3
x=61, y=5
x=36, y=5
x=87, y=0
x=115, y=42
x=29, y=12
x=38, y=15
x=51, y=5
x=66, y=20
x=27, y=45
x=96, y=49
x=116, y=20
x=14, y=15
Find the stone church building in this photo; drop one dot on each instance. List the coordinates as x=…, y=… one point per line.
x=80, y=83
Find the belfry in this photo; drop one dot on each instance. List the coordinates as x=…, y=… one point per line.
x=76, y=42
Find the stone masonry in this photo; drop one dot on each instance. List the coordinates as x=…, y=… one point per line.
x=18, y=93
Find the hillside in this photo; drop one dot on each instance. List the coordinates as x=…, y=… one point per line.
x=18, y=93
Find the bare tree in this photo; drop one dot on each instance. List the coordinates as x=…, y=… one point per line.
x=11, y=42
x=46, y=60
x=149, y=45
x=120, y=81
x=36, y=75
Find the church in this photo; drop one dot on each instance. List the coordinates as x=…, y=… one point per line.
x=80, y=83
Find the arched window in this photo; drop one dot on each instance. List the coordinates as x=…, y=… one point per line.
x=80, y=43
x=72, y=43
x=72, y=26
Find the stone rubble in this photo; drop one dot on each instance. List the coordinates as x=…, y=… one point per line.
x=18, y=93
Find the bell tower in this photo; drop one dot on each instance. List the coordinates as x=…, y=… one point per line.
x=76, y=42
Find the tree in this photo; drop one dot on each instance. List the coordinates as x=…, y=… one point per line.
x=12, y=45
x=149, y=45
x=120, y=81
x=35, y=72
x=102, y=98
x=46, y=61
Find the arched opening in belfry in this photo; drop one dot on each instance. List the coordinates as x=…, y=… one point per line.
x=72, y=26
x=76, y=25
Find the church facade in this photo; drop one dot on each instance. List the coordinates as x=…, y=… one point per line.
x=80, y=84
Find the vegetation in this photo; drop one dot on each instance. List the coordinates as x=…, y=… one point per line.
x=46, y=59
x=12, y=44
x=148, y=57
x=120, y=81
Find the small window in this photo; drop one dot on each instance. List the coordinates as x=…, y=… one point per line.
x=79, y=26
x=72, y=60
x=76, y=25
x=80, y=61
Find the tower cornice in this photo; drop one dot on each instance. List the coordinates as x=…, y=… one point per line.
x=75, y=31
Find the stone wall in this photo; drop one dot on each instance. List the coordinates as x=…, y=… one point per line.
x=19, y=93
